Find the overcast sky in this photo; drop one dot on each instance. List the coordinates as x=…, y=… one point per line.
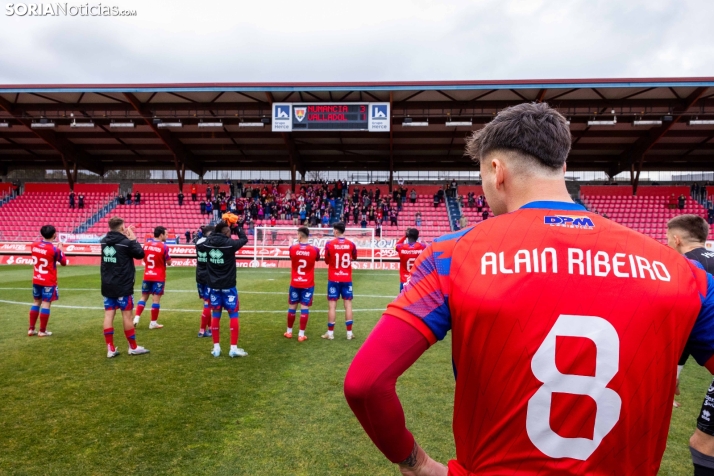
x=302, y=40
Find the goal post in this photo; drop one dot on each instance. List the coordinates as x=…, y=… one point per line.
x=273, y=242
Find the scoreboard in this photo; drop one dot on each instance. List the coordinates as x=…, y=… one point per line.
x=347, y=116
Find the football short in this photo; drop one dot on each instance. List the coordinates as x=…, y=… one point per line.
x=125, y=303
x=153, y=287
x=224, y=299
x=337, y=290
x=705, y=420
x=202, y=291
x=46, y=293
x=301, y=295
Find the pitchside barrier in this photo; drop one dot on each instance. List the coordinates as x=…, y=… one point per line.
x=268, y=248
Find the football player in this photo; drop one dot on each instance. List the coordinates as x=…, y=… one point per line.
x=408, y=248
x=339, y=254
x=302, y=283
x=45, y=256
x=156, y=258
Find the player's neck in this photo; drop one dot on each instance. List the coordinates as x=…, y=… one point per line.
x=541, y=190
x=692, y=246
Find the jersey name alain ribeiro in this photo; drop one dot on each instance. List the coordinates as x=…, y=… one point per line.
x=566, y=331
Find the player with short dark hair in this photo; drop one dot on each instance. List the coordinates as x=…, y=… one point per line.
x=408, y=249
x=45, y=256
x=688, y=235
x=566, y=327
x=221, y=278
x=202, y=281
x=302, y=283
x=156, y=258
x=119, y=250
x=339, y=254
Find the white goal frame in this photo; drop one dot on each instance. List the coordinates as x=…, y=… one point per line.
x=360, y=236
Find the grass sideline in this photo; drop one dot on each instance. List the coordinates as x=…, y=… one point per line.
x=67, y=409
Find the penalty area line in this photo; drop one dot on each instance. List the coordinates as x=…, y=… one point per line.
x=97, y=308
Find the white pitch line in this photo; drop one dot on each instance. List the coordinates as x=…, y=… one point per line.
x=193, y=291
x=197, y=310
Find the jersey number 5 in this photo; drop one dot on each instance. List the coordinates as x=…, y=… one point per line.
x=608, y=402
x=150, y=260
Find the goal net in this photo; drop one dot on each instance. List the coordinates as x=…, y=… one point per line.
x=274, y=242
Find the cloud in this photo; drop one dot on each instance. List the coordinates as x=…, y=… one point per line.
x=395, y=40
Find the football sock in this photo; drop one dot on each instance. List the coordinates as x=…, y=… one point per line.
x=109, y=338
x=330, y=328
x=216, y=329
x=155, y=309
x=140, y=307
x=235, y=329
x=291, y=319
x=206, y=316
x=44, y=317
x=131, y=337
x=34, y=312
x=348, y=325
x=304, y=316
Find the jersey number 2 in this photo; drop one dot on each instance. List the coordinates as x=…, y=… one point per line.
x=608, y=402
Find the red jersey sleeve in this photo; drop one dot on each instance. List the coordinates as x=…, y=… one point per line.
x=60, y=257
x=327, y=253
x=354, y=252
x=424, y=303
x=400, y=242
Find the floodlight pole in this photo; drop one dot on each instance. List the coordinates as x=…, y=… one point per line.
x=391, y=147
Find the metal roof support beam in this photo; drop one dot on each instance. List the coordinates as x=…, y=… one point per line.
x=391, y=145
x=182, y=157
x=644, y=144
x=59, y=143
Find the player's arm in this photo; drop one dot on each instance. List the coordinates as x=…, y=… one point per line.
x=60, y=256
x=701, y=339
x=136, y=251
x=415, y=320
x=400, y=242
x=354, y=252
x=327, y=253
x=167, y=255
x=242, y=239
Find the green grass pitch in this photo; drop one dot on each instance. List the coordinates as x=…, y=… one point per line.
x=67, y=409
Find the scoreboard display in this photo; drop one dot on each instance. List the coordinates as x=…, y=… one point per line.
x=293, y=117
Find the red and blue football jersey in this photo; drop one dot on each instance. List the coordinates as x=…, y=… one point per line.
x=45, y=257
x=156, y=255
x=339, y=254
x=408, y=254
x=303, y=257
x=566, y=331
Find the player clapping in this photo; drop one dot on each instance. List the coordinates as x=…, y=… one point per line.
x=408, y=249
x=339, y=254
x=45, y=257
x=119, y=250
x=156, y=258
x=302, y=284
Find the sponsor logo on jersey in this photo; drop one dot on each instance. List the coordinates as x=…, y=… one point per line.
x=216, y=256
x=569, y=221
x=109, y=254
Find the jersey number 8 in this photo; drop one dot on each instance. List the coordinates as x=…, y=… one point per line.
x=608, y=402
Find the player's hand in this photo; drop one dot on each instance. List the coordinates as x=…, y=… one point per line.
x=60, y=246
x=423, y=466
x=130, y=233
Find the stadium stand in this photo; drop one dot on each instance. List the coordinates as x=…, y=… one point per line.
x=157, y=208
x=472, y=214
x=646, y=212
x=22, y=217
